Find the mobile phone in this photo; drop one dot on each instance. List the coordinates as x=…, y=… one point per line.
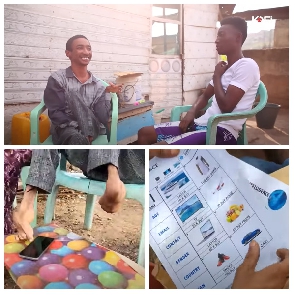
x=36, y=248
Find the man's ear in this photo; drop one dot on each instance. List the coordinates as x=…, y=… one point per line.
x=68, y=53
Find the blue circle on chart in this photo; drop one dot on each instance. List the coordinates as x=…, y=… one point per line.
x=277, y=200
x=181, y=158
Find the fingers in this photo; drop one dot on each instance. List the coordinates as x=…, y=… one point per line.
x=283, y=254
x=164, y=153
x=252, y=256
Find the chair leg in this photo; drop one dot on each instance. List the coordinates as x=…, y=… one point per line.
x=141, y=251
x=89, y=211
x=50, y=205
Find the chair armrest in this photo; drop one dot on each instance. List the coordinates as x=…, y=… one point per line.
x=216, y=119
x=34, y=123
x=114, y=123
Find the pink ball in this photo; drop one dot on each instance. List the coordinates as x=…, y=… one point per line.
x=53, y=273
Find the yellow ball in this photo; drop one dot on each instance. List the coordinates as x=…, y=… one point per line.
x=132, y=284
x=78, y=245
x=11, y=239
x=13, y=248
x=139, y=279
x=111, y=258
x=61, y=231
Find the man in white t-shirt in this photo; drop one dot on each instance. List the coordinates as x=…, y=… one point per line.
x=234, y=86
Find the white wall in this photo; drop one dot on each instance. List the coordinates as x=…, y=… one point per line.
x=199, y=48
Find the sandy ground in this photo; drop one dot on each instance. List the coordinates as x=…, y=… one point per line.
x=119, y=232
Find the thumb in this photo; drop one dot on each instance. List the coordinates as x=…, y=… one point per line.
x=252, y=256
x=164, y=153
x=111, y=84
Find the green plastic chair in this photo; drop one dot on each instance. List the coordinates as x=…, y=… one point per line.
x=79, y=182
x=100, y=140
x=216, y=119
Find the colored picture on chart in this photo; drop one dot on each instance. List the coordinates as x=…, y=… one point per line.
x=219, y=186
x=189, y=208
x=207, y=230
x=174, y=184
x=250, y=236
x=234, y=212
x=202, y=165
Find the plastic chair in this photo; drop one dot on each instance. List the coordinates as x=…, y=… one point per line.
x=100, y=140
x=216, y=119
x=79, y=182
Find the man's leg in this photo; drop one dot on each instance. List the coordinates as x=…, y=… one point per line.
x=69, y=136
x=161, y=132
x=41, y=179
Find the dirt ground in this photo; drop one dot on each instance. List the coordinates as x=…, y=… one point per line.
x=119, y=232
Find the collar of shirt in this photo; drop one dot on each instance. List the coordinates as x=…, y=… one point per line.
x=70, y=74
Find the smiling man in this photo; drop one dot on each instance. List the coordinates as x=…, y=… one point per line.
x=234, y=87
x=78, y=103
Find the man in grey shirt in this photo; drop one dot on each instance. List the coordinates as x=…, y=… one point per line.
x=115, y=167
x=78, y=103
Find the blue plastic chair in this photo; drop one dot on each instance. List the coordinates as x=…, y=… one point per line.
x=77, y=181
x=100, y=140
x=216, y=119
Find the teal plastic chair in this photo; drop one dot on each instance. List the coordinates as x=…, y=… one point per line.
x=100, y=140
x=77, y=181
x=216, y=119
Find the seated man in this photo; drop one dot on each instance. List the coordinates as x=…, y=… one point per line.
x=78, y=103
x=234, y=87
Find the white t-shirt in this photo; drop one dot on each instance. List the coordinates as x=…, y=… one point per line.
x=244, y=74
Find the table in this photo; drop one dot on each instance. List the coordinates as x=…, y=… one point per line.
x=131, y=119
x=160, y=273
x=70, y=262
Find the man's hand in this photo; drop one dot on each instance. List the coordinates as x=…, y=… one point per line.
x=113, y=88
x=164, y=153
x=220, y=69
x=275, y=276
x=186, y=122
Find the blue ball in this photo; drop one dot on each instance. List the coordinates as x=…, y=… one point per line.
x=58, y=285
x=44, y=229
x=98, y=267
x=277, y=199
x=87, y=286
x=63, y=251
x=24, y=267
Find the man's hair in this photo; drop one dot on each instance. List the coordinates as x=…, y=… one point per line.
x=71, y=40
x=239, y=23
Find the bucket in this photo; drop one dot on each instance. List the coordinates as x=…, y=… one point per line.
x=266, y=118
x=131, y=91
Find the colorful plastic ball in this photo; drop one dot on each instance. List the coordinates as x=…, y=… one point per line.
x=63, y=251
x=49, y=234
x=112, y=280
x=24, y=267
x=124, y=267
x=49, y=258
x=74, y=236
x=29, y=282
x=58, y=285
x=128, y=276
x=11, y=239
x=93, y=253
x=140, y=279
x=53, y=273
x=63, y=239
x=55, y=245
x=98, y=266
x=43, y=229
x=81, y=276
x=75, y=261
x=132, y=284
x=277, y=200
x=11, y=259
x=78, y=245
x=61, y=231
x=87, y=286
x=13, y=248
x=111, y=257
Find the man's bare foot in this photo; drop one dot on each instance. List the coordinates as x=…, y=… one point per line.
x=115, y=192
x=24, y=215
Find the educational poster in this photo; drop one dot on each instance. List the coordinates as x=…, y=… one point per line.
x=206, y=206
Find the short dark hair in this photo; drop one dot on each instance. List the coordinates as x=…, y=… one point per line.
x=71, y=40
x=239, y=23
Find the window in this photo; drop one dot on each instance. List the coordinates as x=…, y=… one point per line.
x=166, y=29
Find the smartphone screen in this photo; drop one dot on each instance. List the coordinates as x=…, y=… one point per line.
x=36, y=248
